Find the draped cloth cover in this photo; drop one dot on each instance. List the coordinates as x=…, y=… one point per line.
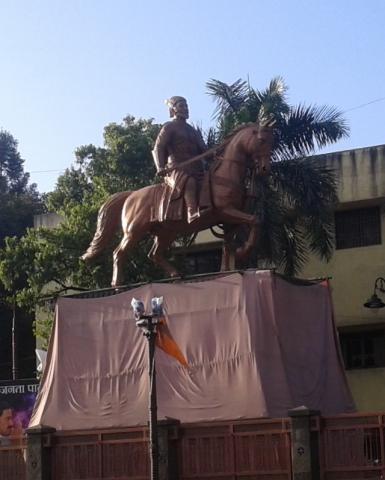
x=256, y=346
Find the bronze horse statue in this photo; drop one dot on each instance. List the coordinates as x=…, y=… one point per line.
x=247, y=148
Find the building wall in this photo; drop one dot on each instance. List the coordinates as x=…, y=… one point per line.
x=47, y=220
x=353, y=272
x=368, y=389
x=361, y=183
x=361, y=175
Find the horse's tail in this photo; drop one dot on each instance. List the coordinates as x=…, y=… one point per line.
x=108, y=220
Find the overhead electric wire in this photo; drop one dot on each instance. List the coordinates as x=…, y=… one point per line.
x=47, y=171
x=364, y=104
x=381, y=99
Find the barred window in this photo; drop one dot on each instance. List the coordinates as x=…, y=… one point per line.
x=365, y=349
x=203, y=262
x=358, y=228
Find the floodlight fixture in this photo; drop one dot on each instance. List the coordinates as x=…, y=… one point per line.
x=138, y=307
x=157, y=306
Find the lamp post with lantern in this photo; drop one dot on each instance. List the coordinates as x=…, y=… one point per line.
x=375, y=301
x=148, y=323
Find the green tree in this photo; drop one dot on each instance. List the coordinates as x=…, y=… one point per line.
x=13, y=179
x=49, y=259
x=296, y=202
x=19, y=201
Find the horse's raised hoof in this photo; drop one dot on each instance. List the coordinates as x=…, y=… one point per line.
x=86, y=258
x=242, y=253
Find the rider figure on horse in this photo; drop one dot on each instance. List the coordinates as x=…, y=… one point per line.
x=177, y=142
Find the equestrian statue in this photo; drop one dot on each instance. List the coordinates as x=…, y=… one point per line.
x=191, y=198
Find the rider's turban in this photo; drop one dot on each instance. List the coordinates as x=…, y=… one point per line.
x=172, y=101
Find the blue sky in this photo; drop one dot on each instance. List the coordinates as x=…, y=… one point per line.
x=70, y=68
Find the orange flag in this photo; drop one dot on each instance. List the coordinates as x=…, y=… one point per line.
x=166, y=343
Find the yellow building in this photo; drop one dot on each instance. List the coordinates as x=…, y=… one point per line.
x=358, y=260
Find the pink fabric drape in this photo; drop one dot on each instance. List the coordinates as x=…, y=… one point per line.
x=256, y=345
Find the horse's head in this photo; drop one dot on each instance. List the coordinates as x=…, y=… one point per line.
x=258, y=143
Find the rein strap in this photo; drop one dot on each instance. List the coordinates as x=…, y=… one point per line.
x=195, y=159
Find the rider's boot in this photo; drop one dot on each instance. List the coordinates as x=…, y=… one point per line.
x=190, y=198
x=192, y=214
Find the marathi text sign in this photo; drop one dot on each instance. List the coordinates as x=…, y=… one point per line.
x=17, y=399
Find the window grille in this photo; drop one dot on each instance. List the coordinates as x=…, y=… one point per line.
x=358, y=228
x=364, y=349
x=203, y=262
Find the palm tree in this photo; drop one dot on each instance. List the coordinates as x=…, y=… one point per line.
x=296, y=202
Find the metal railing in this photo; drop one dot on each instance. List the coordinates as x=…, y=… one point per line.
x=347, y=447
x=12, y=462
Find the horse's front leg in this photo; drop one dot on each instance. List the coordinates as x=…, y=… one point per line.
x=120, y=253
x=227, y=258
x=162, y=242
x=228, y=253
x=235, y=216
x=243, y=252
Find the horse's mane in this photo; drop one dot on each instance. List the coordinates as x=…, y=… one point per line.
x=240, y=127
x=231, y=135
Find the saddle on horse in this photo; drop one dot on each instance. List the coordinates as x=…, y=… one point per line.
x=170, y=204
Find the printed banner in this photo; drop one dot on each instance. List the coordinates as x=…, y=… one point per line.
x=17, y=398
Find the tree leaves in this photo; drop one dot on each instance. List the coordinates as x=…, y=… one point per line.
x=304, y=129
x=18, y=200
x=46, y=262
x=297, y=201
x=229, y=98
x=13, y=179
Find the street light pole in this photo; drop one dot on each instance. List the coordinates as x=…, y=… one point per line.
x=15, y=366
x=149, y=323
x=153, y=406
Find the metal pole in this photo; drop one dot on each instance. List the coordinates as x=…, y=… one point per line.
x=148, y=324
x=15, y=369
x=153, y=407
